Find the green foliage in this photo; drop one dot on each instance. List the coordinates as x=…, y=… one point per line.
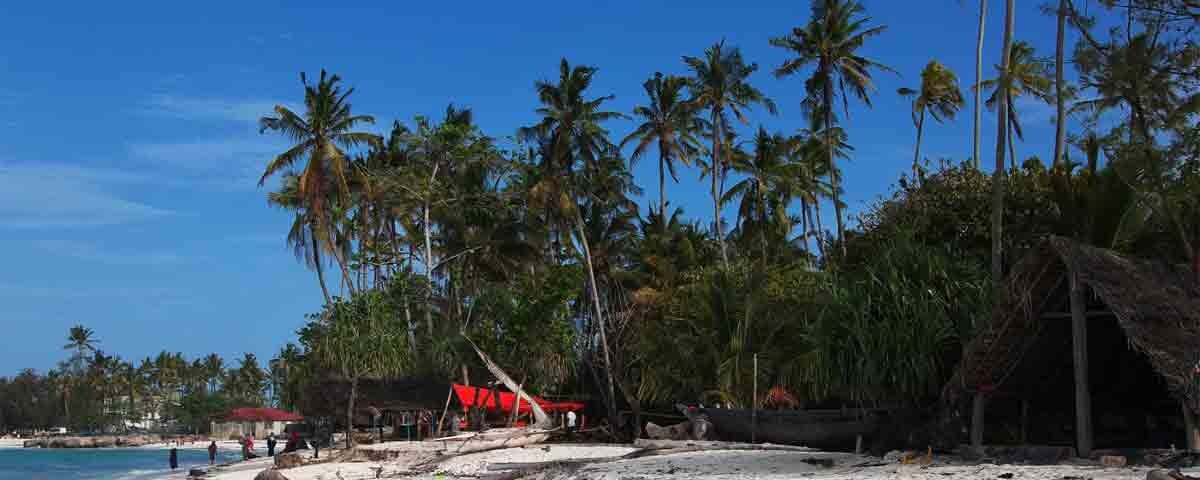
x=358, y=337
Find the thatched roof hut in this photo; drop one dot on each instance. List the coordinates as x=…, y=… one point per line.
x=1144, y=339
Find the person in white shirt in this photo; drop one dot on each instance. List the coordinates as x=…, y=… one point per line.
x=570, y=423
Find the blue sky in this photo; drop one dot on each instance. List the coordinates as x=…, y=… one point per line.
x=129, y=152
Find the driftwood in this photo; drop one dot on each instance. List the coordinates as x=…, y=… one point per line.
x=541, y=420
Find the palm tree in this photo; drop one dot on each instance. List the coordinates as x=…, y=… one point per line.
x=1060, y=87
x=939, y=96
x=760, y=189
x=669, y=122
x=571, y=133
x=718, y=83
x=978, y=79
x=1029, y=76
x=321, y=134
x=830, y=42
x=301, y=237
x=81, y=340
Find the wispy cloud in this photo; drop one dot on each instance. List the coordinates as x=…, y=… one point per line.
x=56, y=196
x=231, y=161
x=207, y=109
x=91, y=253
x=1034, y=113
x=257, y=239
x=12, y=290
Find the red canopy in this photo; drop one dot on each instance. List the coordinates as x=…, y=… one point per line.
x=467, y=397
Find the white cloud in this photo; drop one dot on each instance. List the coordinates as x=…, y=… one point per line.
x=195, y=108
x=89, y=252
x=56, y=196
x=58, y=292
x=236, y=161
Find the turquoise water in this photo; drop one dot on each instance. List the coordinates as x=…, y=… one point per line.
x=99, y=463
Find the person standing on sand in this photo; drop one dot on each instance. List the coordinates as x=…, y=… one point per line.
x=212, y=452
x=270, y=445
x=174, y=459
x=570, y=423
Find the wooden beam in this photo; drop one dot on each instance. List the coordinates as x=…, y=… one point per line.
x=1083, y=397
x=977, y=420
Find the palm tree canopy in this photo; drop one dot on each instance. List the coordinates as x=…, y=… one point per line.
x=81, y=339
x=939, y=94
x=1031, y=76
x=719, y=83
x=321, y=134
x=832, y=40
x=667, y=120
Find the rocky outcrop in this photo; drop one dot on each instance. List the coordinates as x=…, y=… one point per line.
x=288, y=460
x=270, y=474
x=108, y=441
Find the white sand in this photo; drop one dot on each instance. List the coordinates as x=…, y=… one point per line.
x=475, y=464
x=12, y=442
x=706, y=465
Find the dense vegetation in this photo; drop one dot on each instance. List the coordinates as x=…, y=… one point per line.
x=534, y=248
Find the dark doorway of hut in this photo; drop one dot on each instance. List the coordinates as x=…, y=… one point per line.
x=1124, y=405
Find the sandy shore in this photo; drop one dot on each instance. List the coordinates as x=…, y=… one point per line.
x=11, y=443
x=604, y=462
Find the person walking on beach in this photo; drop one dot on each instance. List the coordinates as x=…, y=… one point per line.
x=174, y=459
x=212, y=452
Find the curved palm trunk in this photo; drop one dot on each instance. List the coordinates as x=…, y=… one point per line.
x=1012, y=149
x=320, y=270
x=833, y=173
x=998, y=173
x=587, y=255
x=662, y=184
x=820, y=234
x=1060, y=126
x=718, y=134
x=916, y=166
x=978, y=79
x=804, y=227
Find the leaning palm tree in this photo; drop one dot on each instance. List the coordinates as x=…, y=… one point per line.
x=939, y=96
x=321, y=134
x=572, y=138
x=670, y=123
x=1029, y=76
x=718, y=83
x=830, y=42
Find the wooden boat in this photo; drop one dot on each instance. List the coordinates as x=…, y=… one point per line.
x=826, y=429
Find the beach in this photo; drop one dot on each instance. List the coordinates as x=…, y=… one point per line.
x=620, y=461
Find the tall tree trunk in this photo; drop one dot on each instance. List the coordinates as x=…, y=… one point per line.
x=978, y=79
x=827, y=92
x=662, y=186
x=998, y=173
x=917, y=154
x=350, y=413
x=1060, y=123
x=1012, y=148
x=587, y=255
x=820, y=229
x=428, y=276
x=320, y=270
x=717, y=167
x=804, y=226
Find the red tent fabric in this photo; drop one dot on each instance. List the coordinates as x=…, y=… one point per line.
x=262, y=415
x=466, y=396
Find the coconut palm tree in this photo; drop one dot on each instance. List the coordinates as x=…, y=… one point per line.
x=719, y=84
x=939, y=96
x=1029, y=76
x=572, y=138
x=322, y=133
x=82, y=340
x=759, y=191
x=670, y=124
x=831, y=42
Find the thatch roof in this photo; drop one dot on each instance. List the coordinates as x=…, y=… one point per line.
x=1157, y=306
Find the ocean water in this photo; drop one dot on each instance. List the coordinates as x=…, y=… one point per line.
x=101, y=463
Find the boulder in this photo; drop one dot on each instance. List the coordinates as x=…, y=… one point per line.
x=104, y=442
x=270, y=474
x=197, y=473
x=1161, y=474
x=34, y=444
x=679, y=431
x=288, y=460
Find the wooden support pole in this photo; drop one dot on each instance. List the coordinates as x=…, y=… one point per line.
x=977, y=420
x=1191, y=429
x=1083, y=396
x=1024, y=421
x=754, y=411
